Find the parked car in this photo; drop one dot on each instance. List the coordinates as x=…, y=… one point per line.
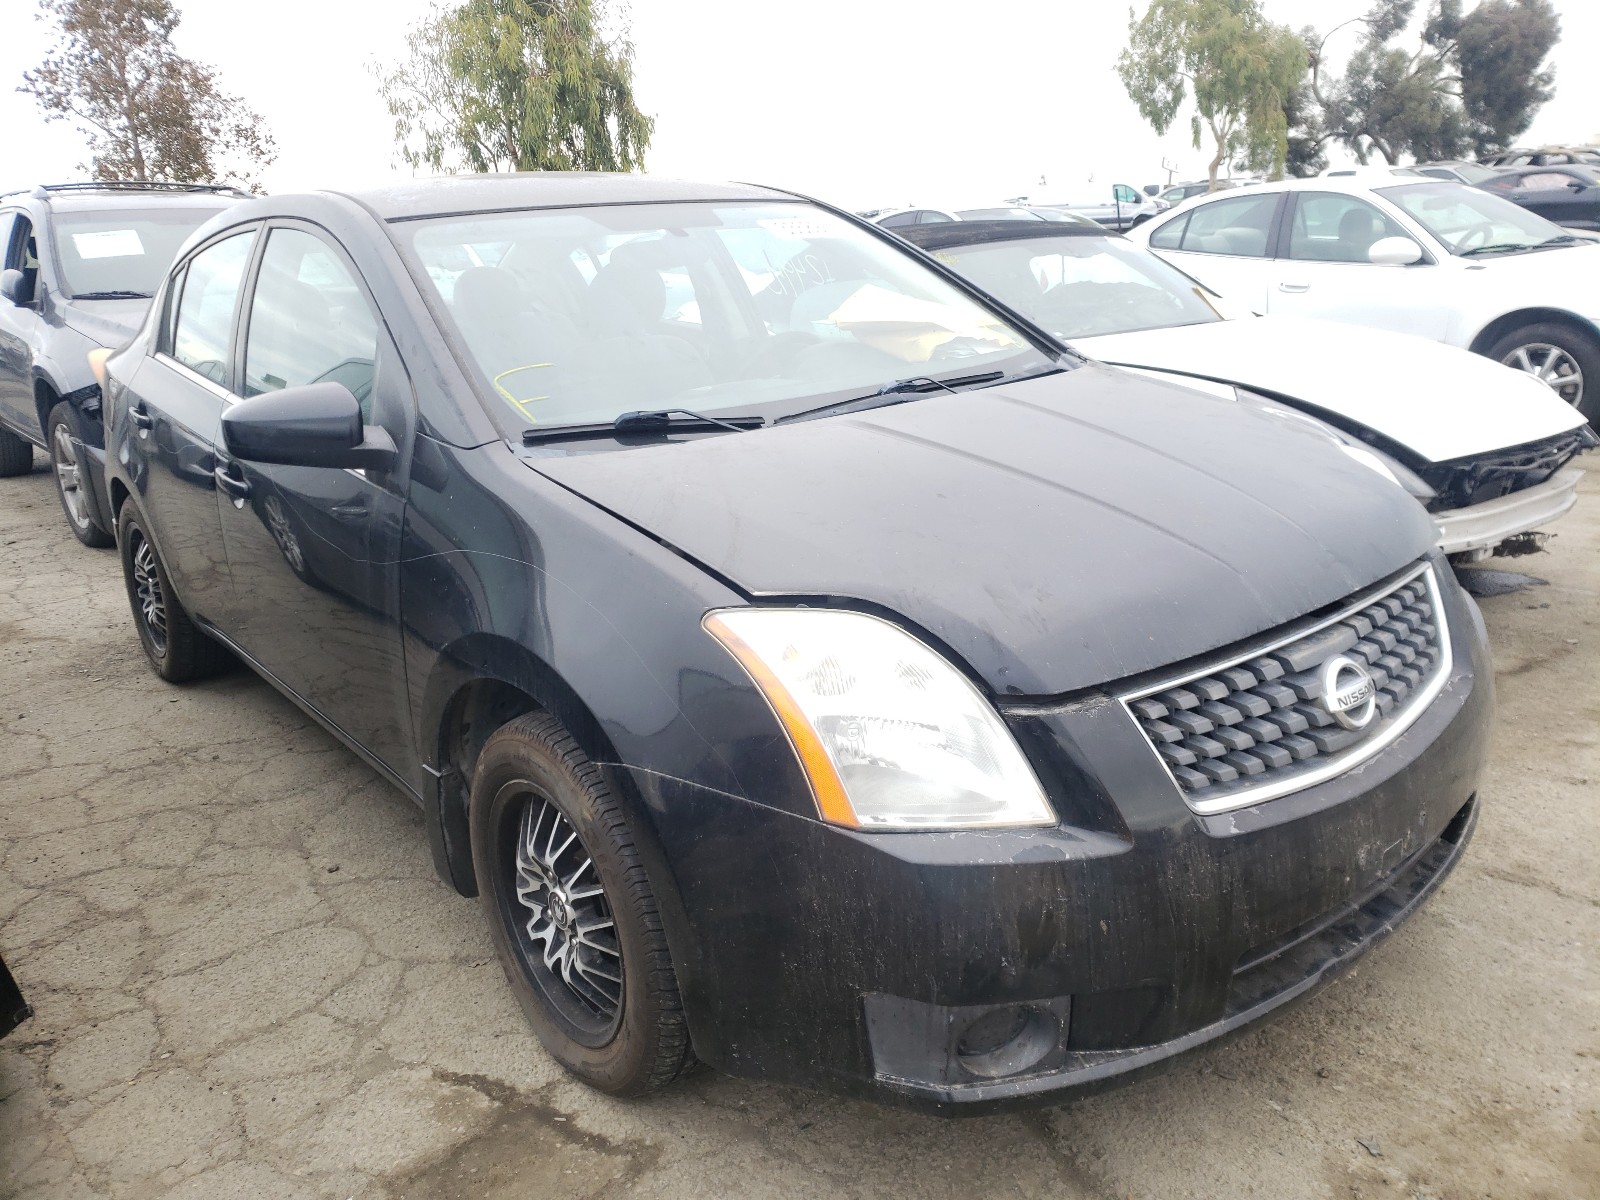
x=1547, y=156
x=897, y=218
x=1485, y=448
x=80, y=263
x=749, y=660
x=1446, y=262
x=1179, y=192
x=1459, y=171
x=1014, y=212
x=14, y=1009
x=1568, y=195
x=1127, y=208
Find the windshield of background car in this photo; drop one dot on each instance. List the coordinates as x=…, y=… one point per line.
x=575, y=316
x=1083, y=286
x=122, y=251
x=1465, y=219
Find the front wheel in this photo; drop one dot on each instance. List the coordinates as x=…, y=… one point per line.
x=72, y=479
x=173, y=643
x=1562, y=358
x=571, y=911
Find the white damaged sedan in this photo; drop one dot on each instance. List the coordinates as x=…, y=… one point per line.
x=1486, y=448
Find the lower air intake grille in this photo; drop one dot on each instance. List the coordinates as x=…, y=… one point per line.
x=1303, y=709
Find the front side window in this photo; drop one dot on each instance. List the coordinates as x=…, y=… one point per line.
x=1083, y=286
x=310, y=320
x=758, y=308
x=1470, y=221
x=114, y=254
x=203, y=329
x=1237, y=226
x=1328, y=227
x=1545, y=181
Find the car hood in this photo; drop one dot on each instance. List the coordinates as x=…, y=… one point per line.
x=1438, y=401
x=1055, y=534
x=106, y=322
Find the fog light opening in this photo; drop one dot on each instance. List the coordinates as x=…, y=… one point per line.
x=1007, y=1040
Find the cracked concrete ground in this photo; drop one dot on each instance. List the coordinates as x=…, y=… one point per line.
x=249, y=982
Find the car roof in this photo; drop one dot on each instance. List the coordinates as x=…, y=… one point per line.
x=116, y=197
x=974, y=233
x=1355, y=184
x=543, y=189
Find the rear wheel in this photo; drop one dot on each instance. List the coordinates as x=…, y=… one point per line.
x=72, y=479
x=175, y=646
x=1562, y=358
x=571, y=910
x=16, y=454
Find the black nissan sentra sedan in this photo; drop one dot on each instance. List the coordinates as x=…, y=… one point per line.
x=814, y=669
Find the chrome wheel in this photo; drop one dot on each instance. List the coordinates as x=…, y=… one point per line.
x=283, y=533
x=564, y=921
x=147, y=591
x=69, y=477
x=1552, y=366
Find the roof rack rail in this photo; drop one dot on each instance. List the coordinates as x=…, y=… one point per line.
x=44, y=190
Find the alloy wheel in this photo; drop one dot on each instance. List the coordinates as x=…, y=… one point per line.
x=563, y=920
x=69, y=477
x=1552, y=366
x=147, y=589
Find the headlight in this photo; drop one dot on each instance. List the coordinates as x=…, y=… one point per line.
x=890, y=735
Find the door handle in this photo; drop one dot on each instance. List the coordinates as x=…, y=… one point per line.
x=351, y=512
x=1294, y=287
x=140, y=417
x=238, y=488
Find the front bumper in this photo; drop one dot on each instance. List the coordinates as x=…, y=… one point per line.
x=1135, y=930
x=1477, y=530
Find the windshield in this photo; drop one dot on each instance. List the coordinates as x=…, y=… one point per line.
x=1083, y=286
x=122, y=251
x=1467, y=220
x=576, y=316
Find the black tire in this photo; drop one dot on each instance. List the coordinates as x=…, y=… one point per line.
x=16, y=454
x=175, y=646
x=531, y=769
x=1583, y=350
x=63, y=424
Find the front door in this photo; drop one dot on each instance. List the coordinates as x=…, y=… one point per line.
x=18, y=328
x=313, y=551
x=174, y=407
x=1323, y=270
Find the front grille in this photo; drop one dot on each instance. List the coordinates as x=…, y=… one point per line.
x=1252, y=728
x=1464, y=482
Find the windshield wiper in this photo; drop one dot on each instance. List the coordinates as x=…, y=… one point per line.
x=111, y=295
x=642, y=421
x=897, y=391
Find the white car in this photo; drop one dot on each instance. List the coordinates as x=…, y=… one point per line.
x=1446, y=262
x=1486, y=449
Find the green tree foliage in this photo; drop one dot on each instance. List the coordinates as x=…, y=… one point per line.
x=517, y=85
x=1239, y=68
x=148, y=112
x=1472, y=81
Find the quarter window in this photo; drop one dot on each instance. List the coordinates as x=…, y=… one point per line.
x=1333, y=228
x=1239, y=226
x=204, y=328
x=310, y=321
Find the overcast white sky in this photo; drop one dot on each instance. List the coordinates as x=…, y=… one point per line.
x=862, y=102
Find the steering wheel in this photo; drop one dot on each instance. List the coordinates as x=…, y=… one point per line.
x=1476, y=235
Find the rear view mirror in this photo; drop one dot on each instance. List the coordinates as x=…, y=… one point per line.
x=1394, y=252
x=14, y=286
x=315, y=425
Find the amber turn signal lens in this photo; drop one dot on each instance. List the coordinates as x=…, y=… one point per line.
x=97, y=364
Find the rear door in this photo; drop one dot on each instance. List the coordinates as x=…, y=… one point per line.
x=174, y=405
x=313, y=551
x=1323, y=269
x=1226, y=244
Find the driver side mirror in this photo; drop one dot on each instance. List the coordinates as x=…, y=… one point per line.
x=14, y=286
x=1394, y=252
x=314, y=425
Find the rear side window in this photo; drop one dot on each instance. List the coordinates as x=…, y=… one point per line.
x=203, y=330
x=899, y=219
x=1170, y=235
x=1544, y=181
x=310, y=321
x=1237, y=226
